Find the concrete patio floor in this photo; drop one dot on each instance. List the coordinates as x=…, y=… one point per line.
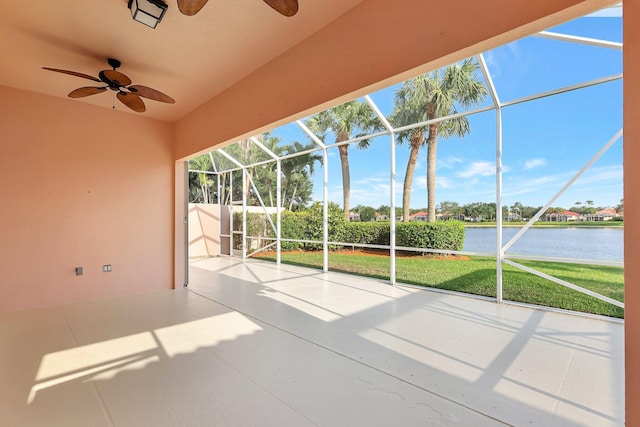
x=259, y=344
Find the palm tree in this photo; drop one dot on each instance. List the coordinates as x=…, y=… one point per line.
x=202, y=163
x=517, y=209
x=343, y=121
x=265, y=176
x=297, y=169
x=429, y=97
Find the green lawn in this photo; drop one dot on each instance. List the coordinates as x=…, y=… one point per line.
x=477, y=275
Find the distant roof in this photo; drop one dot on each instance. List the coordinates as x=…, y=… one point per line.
x=609, y=211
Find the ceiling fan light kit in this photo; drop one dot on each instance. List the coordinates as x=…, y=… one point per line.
x=148, y=12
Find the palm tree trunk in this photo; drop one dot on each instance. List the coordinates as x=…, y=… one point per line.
x=346, y=179
x=248, y=187
x=285, y=190
x=408, y=181
x=293, y=196
x=432, y=146
x=221, y=189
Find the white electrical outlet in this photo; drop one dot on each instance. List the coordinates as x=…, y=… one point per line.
x=106, y=268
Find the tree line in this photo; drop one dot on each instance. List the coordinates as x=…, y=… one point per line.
x=479, y=211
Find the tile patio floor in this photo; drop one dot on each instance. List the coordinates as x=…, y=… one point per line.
x=255, y=344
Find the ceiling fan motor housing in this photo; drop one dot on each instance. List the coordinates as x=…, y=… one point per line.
x=112, y=85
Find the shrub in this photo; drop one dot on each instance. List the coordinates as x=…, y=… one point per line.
x=445, y=235
x=292, y=226
x=373, y=233
x=336, y=224
x=307, y=225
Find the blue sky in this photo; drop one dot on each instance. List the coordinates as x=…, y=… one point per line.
x=545, y=142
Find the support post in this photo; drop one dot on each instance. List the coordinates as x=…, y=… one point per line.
x=392, y=188
x=219, y=213
x=496, y=103
x=186, y=223
x=392, y=205
x=278, y=212
x=499, y=249
x=230, y=213
x=325, y=211
x=244, y=214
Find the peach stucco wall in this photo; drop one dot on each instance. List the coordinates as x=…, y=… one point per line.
x=631, y=60
x=204, y=230
x=81, y=186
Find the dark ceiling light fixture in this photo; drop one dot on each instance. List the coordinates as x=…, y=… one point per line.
x=148, y=12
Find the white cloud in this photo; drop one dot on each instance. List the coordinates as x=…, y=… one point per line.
x=500, y=56
x=371, y=180
x=534, y=163
x=420, y=183
x=444, y=182
x=475, y=169
x=449, y=162
x=601, y=174
x=598, y=183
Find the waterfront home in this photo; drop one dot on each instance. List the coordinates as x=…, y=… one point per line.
x=602, y=215
x=563, y=216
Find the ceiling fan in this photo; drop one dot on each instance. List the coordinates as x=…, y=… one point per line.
x=283, y=7
x=130, y=95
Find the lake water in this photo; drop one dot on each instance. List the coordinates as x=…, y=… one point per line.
x=581, y=243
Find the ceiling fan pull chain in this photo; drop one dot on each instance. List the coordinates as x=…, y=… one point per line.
x=113, y=101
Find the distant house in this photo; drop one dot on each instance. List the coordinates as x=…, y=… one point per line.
x=419, y=216
x=603, y=215
x=562, y=216
x=381, y=217
x=513, y=216
x=354, y=216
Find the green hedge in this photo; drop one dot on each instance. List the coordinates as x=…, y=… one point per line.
x=293, y=226
x=307, y=225
x=373, y=233
x=445, y=235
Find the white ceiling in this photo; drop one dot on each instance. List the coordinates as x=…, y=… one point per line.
x=189, y=58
